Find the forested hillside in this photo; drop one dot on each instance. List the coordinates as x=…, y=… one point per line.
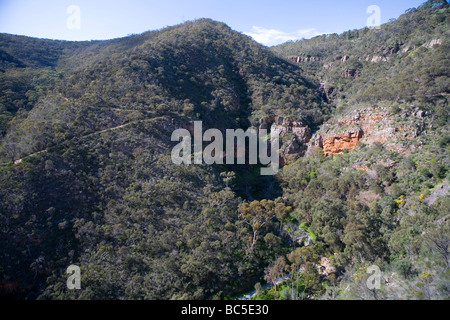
x=405, y=60
x=90, y=179
x=86, y=175
x=383, y=184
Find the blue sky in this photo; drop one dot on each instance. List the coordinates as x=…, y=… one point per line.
x=267, y=21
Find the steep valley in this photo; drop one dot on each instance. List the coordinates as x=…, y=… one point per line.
x=87, y=179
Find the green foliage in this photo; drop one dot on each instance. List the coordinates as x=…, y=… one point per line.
x=403, y=267
x=389, y=64
x=86, y=176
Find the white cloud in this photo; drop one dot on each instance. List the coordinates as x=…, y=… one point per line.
x=270, y=37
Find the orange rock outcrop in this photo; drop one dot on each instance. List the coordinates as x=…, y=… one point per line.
x=365, y=123
x=340, y=142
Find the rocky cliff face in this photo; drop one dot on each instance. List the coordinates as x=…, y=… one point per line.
x=350, y=73
x=369, y=126
x=294, y=136
x=303, y=59
x=432, y=43
x=382, y=55
x=283, y=127
x=342, y=141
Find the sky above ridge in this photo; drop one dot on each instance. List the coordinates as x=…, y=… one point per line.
x=269, y=22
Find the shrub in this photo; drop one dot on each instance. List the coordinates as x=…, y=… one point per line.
x=404, y=268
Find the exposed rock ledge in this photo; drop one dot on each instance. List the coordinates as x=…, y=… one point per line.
x=340, y=142
x=303, y=59
x=432, y=43
x=370, y=126
x=294, y=136
x=283, y=127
